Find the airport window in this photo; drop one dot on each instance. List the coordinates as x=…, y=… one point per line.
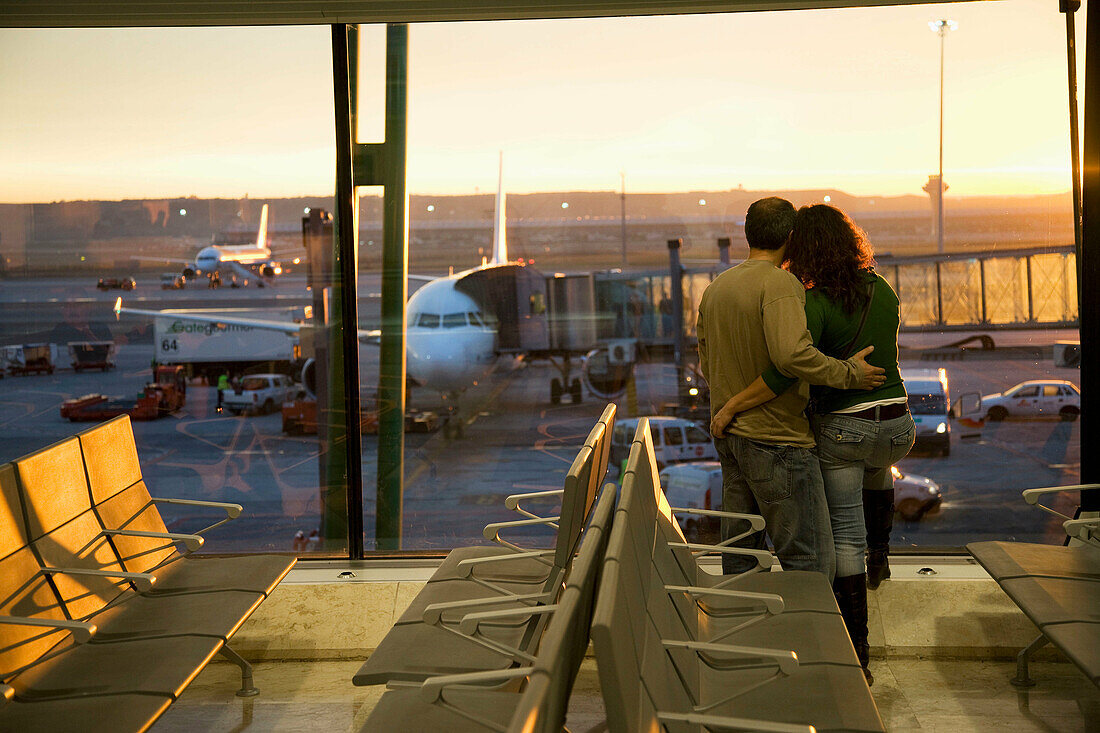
x=112, y=209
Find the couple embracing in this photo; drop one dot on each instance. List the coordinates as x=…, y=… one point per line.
x=807, y=308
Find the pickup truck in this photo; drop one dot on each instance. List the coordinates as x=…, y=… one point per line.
x=258, y=393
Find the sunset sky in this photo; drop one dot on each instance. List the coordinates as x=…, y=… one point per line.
x=811, y=99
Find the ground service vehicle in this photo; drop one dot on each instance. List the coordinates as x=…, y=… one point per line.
x=258, y=393
x=930, y=406
x=162, y=397
x=674, y=440
x=172, y=281
x=1035, y=398
x=210, y=349
x=116, y=283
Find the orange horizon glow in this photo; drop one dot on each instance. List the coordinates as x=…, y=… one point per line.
x=843, y=100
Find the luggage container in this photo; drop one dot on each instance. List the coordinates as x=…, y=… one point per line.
x=92, y=355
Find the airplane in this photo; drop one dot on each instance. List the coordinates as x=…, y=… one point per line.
x=451, y=343
x=247, y=260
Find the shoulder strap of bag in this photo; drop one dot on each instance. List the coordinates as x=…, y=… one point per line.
x=863, y=320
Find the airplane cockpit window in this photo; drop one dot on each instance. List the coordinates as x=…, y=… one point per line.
x=428, y=320
x=475, y=319
x=454, y=320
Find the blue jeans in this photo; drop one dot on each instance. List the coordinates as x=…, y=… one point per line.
x=783, y=484
x=856, y=455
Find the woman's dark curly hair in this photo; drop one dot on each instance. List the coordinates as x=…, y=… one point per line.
x=827, y=250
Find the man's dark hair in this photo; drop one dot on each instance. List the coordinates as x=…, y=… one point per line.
x=769, y=222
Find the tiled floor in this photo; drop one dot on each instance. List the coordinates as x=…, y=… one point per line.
x=912, y=695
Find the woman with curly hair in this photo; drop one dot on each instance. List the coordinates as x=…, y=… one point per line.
x=860, y=434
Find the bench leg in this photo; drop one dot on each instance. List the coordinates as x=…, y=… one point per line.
x=247, y=688
x=1022, y=678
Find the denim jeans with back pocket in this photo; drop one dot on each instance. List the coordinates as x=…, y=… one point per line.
x=783, y=484
x=857, y=454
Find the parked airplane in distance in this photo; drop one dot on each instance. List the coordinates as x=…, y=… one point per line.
x=458, y=324
x=249, y=261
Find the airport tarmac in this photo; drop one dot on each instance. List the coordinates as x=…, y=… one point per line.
x=514, y=441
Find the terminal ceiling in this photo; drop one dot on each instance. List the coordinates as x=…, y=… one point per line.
x=144, y=13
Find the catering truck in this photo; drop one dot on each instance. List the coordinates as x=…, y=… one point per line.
x=207, y=350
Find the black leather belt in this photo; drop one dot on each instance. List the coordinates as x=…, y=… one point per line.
x=880, y=412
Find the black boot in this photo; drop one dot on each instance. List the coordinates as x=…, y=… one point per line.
x=851, y=596
x=878, y=515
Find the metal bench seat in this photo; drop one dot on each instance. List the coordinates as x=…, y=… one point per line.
x=455, y=704
x=1003, y=560
x=144, y=666
x=218, y=614
x=427, y=639
x=667, y=661
x=127, y=713
x=125, y=509
x=81, y=628
x=1078, y=641
x=576, y=499
x=1057, y=587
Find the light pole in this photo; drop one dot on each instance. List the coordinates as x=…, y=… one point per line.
x=941, y=27
x=622, y=213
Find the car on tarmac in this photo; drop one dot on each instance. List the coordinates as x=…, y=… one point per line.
x=116, y=283
x=1034, y=398
x=675, y=440
x=258, y=393
x=698, y=485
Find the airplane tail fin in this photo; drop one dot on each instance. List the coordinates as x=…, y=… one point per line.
x=500, y=238
x=261, y=237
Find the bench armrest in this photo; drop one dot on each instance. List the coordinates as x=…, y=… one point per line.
x=786, y=660
x=512, y=501
x=772, y=602
x=431, y=688
x=82, y=631
x=1033, y=496
x=719, y=722
x=470, y=564
x=1086, y=529
x=755, y=520
x=491, y=532
x=143, y=581
x=764, y=559
x=191, y=541
x=433, y=613
x=469, y=623
x=232, y=511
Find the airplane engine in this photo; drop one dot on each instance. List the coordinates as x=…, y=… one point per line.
x=267, y=271
x=189, y=272
x=606, y=373
x=309, y=377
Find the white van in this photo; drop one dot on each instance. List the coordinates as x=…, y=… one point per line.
x=930, y=405
x=674, y=440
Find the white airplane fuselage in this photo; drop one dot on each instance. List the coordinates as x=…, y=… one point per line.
x=211, y=258
x=448, y=346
